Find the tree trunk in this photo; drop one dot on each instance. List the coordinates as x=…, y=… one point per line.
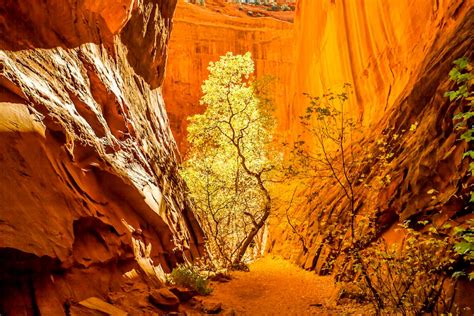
x=252, y=234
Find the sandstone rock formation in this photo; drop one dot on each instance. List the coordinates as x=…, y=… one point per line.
x=201, y=35
x=377, y=46
x=397, y=55
x=87, y=156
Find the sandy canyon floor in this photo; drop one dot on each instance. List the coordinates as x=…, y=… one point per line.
x=277, y=287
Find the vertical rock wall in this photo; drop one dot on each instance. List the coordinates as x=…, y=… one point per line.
x=397, y=55
x=86, y=150
x=377, y=46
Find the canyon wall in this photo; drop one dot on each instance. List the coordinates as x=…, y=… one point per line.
x=377, y=46
x=88, y=161
x=201, y=35
x=397, y=56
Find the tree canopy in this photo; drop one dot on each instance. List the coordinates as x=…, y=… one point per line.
x=229, y=158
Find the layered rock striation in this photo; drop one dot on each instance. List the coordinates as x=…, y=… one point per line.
x=397, y=56
x=376, y=46
x=88, y=161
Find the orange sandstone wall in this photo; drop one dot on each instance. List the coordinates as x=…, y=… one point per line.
x=397, y=55
x=86, y=153
x=201, y=35
x=377, y=46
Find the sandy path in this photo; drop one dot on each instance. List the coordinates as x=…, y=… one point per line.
x=277, y=287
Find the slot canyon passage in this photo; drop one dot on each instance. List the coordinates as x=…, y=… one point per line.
x=172, y=157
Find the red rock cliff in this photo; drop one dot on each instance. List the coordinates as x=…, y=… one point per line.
x=86, y=151
x=377, y=46
x=397, y=55
x=201, y=35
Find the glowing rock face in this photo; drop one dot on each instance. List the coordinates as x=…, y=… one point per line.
x=397, y=55
x=377, y=46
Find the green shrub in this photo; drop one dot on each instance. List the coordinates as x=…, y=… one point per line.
x=462, y=75
x=412, y=277
x=190, y=277
x=464, y=246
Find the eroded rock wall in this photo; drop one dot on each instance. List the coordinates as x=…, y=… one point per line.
x=397, y=55
x=377, y=46
x=86, y=150
x=201, y=35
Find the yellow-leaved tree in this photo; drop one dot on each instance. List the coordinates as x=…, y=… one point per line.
x=230, y=159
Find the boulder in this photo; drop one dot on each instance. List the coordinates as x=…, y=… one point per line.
x=183, y=294
x=211, y=308
x=163, y=298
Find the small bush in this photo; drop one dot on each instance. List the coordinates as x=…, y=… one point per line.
x=190, y=277
x=411, y=278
